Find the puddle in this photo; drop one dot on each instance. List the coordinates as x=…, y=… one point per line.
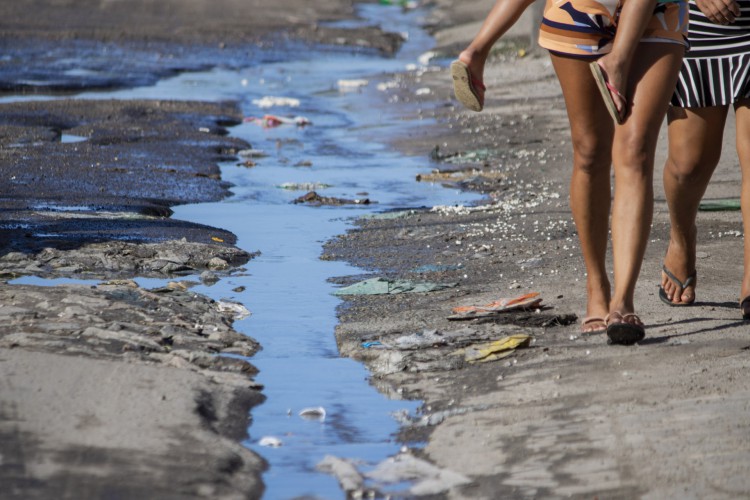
x=286, y=288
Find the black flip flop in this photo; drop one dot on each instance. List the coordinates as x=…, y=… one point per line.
x=625, y=333
x=745, y=302
x=689, y=281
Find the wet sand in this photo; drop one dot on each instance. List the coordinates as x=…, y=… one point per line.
x=128, y=394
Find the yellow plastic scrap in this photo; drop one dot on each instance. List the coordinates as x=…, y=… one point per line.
x=497, y=349
x=217, y=239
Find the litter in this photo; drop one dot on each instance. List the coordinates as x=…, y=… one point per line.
x=313, y=413
x=435, y=268
x=303, y=186
x=251, y=153
x=492, y=351
x=270, y=101
x=527, y=301
x=347, y=85
x=270, y=121
x=729, y=204
x=270, y=441
x=382, y=286
x=313, y=198
x=238, y=310
x=425, y=338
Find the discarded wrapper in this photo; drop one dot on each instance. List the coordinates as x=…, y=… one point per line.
x=313, y=413
x=527, y=301
x=497, y=349
x=270, y=121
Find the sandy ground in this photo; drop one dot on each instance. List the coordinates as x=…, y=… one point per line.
x=568, y=415
x=103, y=396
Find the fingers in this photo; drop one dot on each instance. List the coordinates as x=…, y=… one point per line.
x=719, y=11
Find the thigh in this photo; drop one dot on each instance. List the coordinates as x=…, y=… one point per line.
x=653, y=76
x=591, y=127
x=695, y=137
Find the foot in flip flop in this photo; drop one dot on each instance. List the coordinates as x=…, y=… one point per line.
x=469, y=90
x=608, y=92
x=669, y=299
x=745, y=308
x=624, y=328
x=593, y=325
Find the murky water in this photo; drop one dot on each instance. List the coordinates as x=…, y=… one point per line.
x=286, y=288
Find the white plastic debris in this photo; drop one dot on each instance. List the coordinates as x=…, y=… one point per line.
x=270, y=441
x=313, y=413
x=271, y=101
x=235, y=308
x=346, y=85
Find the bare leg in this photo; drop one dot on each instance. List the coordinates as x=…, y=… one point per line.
x=634, y=17
x=742, y=113
x=501, y=18
x=591, y=132
x=653, y=77
x=695, y=138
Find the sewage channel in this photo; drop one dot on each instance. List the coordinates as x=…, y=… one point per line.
x=286, y=288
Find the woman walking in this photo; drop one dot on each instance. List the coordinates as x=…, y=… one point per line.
x=577, y=33
x=715, y=76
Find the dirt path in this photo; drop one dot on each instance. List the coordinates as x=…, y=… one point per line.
x=567, y=416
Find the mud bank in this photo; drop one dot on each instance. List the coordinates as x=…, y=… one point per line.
x=111, y=389
x=564, y=415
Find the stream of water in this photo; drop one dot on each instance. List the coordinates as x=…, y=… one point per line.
x=286, y=288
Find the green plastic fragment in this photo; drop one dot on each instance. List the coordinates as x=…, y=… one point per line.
x=728, y=204
x=382, y=286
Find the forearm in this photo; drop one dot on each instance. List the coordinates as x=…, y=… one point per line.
x=501, y=18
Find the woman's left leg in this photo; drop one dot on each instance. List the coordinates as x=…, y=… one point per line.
x=653, y=77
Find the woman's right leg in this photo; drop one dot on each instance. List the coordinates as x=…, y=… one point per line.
x=591, y=132
x=742, y=115
x=695, y=139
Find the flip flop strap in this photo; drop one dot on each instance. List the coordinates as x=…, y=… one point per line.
x=689, y=281
x=613, y=89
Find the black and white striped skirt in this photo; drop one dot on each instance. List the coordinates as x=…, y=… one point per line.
x=716, y=69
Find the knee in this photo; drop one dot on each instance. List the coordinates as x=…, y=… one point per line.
x=686, y=167
x=634, y=152
x=591, y=157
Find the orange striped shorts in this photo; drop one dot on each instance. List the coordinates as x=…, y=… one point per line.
x=587, y=27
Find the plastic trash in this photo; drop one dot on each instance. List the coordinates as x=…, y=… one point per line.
x=270, y=121
x=237, y=310
x=270, y=441
x=313, y=413
x=526, y=301
x=303, y=186
x=729, y=204
x=492, y=351
x=348, y=85
x=382, y=286
x=271, y=101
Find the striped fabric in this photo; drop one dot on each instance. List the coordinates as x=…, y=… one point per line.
x=716, y=69
x=586, y=28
